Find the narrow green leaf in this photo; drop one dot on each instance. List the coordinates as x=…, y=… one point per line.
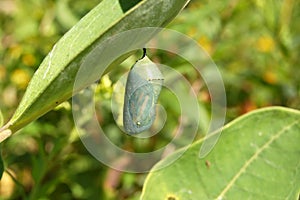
x=53, y=81
x=257, y=157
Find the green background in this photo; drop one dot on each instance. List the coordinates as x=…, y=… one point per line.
x=254, y=43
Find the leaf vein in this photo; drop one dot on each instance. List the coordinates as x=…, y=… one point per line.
x=255, y=155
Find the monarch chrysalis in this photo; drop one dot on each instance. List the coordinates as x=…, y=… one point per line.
x=143, y=86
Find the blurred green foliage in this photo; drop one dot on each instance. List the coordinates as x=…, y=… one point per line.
x=255, y=44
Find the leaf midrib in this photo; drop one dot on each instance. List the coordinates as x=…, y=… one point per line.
x=253, y=158
x=74, y=56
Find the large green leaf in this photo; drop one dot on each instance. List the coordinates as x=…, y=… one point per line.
x=54, y=80
x=257, y=157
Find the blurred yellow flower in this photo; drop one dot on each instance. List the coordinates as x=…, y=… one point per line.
x=15, y=51
x=105, y=86
x=28, y=59
x=270, y=77
x=192, y=32
x=21, y=78
x=105, y=81
x=206, y=44
x=265, y=44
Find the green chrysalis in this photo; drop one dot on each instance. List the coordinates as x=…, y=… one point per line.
x=143, y=86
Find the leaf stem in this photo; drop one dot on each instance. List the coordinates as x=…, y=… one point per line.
x=5, y=132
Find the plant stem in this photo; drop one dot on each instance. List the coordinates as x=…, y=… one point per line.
x=5, y=132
